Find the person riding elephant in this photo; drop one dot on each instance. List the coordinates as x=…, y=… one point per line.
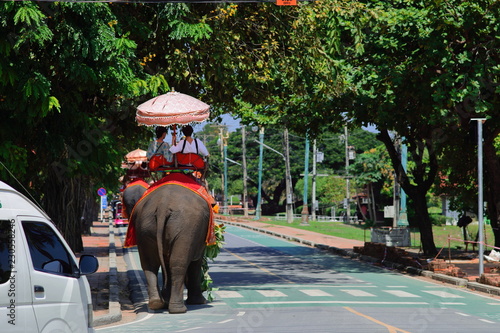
x=170, y=224
x=189, y=144
x=159, y=146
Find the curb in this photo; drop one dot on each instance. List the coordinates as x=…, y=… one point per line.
x=474, y=286
x=114, y=309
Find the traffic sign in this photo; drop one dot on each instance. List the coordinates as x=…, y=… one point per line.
x=101, y=192
x=104, y=202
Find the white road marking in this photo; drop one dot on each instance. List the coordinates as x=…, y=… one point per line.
x=332, y=302
x=315, y=292
x=357, y=293
x=149, y=315
x=487, y=321
x=190, y=329
x=462, y=314
x=451, y=303
x=442, y=294
x=400, y=293
x=228, y=294
x=271, y=293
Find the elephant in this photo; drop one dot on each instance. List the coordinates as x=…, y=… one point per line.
x=132, y=193
x=171, y=223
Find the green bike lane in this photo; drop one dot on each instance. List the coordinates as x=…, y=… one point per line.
x=339, y=282
x=267, y=284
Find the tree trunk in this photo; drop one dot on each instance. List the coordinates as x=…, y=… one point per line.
x=424, y=224
x=373, y=204
x=423, y=174
x=65, y=201
x=492, y=188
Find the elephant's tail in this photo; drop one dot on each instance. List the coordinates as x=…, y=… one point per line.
x=162, y=216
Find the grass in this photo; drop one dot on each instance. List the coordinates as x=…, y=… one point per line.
x=360, y=232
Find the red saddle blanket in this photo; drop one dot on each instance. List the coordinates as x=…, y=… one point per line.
x=187, y=182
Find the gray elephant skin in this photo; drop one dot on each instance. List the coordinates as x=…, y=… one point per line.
x=132, y=193
x=171, y=226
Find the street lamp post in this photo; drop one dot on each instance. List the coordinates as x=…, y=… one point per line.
x=225, y=177
x=403, y=215
x=480, y=191
x=313, y=189
x=347, y=203
x=305, y=208
x=223, y=144
x=288, y=178
x=258, y=209
x=245, y=176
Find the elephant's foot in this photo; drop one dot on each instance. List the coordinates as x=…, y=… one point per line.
x=198, y=299
x=176, y=308
x=156, y=304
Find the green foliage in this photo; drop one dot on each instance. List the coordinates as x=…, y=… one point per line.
x=438, y=219
x=211, y=252
x=72, y=74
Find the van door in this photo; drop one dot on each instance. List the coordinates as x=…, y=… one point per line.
x=60, y=295
x=16, y=310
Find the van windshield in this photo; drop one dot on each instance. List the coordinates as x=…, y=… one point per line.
x=7, y=250
x=46, y=248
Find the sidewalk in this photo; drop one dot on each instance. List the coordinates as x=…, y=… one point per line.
x=109, y=284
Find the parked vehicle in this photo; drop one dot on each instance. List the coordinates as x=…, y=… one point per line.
x=42, y=288
x=119, y=220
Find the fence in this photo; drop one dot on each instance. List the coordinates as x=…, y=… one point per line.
x=319, y=218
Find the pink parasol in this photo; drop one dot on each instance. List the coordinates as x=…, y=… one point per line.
x=172, y=108
x=137, y=155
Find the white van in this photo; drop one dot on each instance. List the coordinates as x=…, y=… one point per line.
x=42, y=289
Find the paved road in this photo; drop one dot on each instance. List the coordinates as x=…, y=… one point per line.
x=267, y=284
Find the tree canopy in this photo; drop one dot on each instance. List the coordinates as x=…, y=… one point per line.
x=71, y=75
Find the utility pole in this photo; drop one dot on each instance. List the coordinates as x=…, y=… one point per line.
x=313, y=199
x=403, y=215
x=244, y=166
x=305, y=208
x=480, y=201
x=223, y=146
x=258, y=209
x=288, y=178
x=347, y=203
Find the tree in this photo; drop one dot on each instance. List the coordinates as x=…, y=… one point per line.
x=68, y=80
x=430, y=68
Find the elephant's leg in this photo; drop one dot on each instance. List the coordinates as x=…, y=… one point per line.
x=167, y=286
x=178, y=265
x=155, y=301
x=176, y=302
x=193, y=283
x=150, y=265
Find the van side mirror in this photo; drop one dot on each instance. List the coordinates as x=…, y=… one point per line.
x=88, y=264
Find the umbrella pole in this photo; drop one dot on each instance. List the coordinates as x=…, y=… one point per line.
x=174, y=141
x=174, y=135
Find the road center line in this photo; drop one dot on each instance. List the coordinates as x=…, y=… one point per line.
x=391, y=329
